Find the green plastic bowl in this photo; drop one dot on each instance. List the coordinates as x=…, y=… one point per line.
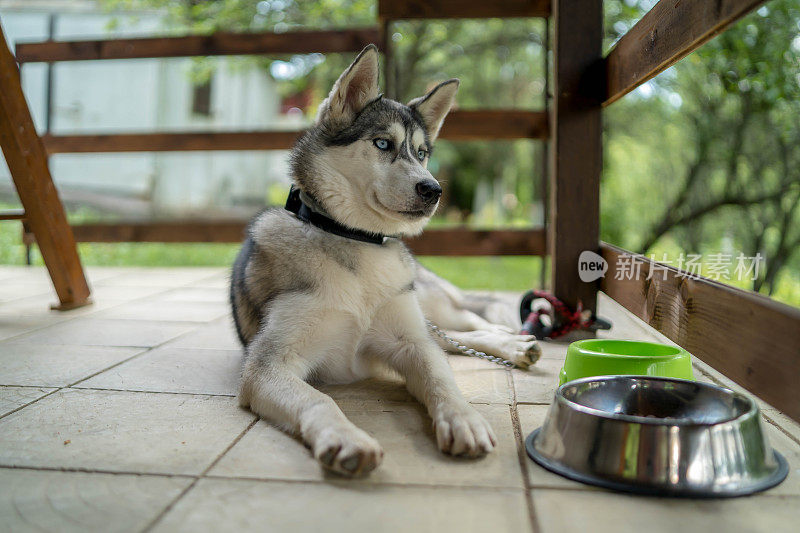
x=609, y=357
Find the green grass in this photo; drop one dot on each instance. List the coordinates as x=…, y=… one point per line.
x=489, y=273
x=509, y=273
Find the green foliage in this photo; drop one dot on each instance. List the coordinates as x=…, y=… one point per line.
x=721, y=171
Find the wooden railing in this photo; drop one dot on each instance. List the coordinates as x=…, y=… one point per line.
x=451, y=241
x=217, y=44
x=461, y=125
x=663, y=36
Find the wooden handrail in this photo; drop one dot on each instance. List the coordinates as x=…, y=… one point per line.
x=467, y=125
x=750, y=338
x=459, y=126
x=13, y=214
x=451, y=9
x=170, y=142
x=449, y=241
x=664, y=35
x=216, y=44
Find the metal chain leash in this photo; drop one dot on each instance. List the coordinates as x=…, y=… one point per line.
x=467, y=350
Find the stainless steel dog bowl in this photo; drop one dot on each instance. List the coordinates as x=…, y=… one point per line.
x=659, y=436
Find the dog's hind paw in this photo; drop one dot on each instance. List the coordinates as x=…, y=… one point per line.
x=461, y=430
x=348, y=451
x=526, y=352
x=522, y=350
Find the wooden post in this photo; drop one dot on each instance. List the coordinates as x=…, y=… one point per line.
x=545, y=151
x=389, y=83
x=576, y=151
x=27, y=162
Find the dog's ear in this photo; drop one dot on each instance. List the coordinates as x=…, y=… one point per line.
x=435, y=105
x=354, y=89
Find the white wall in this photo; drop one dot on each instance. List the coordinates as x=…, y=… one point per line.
x=142, y=96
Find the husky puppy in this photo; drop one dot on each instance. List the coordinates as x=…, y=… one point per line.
x=324, y=291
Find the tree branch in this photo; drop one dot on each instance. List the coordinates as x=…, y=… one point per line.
x=672, y=221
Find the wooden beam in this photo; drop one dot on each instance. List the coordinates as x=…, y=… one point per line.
x=465, y=241
x=455, y=241
x=494, y=124
x=665, y=34
x=14, y=214
x=178, y=231
x=459, y=126
x=171, y=142
x=750, y=338
x=451, y=9
x=27, y=162
x=215, y=44
x=576, y=153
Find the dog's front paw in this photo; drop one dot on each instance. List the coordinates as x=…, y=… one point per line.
x=461, y=430
x=347, y=450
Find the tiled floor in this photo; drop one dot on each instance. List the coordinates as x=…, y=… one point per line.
x=121, y=417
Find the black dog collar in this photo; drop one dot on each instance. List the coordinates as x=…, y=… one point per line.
x=296, y=205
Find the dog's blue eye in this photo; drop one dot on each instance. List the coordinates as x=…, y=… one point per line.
x=421, y=154
x=382, y=144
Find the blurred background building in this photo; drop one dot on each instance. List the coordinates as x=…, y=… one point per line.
x=146, y=95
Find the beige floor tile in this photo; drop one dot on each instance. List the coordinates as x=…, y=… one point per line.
x=481, y=381
x=167, y=369
x=791, y=451
x=568, y=511
x=624, y=324
x=538, y=383
x=385, y=389
x=13, y=326
x=40, y=307
x=75, y=501
x=121, y=431
x=102, y=273
x=102, y=293
x=10, y=272
x=170, y=277
x=36, y=306
x=786, y=424
x=532, y=417
x=267, y=452
x=218, y=335
x=149, y=309
x=107, y=332
x=194, y=294
x=553, y=350
x=404, y=432
x=55, y=365
x=14, y=290
x=217, y=281
x=238, y=505
x=14, y=397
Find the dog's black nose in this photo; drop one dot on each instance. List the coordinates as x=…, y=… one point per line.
x=429, y=191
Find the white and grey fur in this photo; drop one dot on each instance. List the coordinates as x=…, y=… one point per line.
x=311, y=306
